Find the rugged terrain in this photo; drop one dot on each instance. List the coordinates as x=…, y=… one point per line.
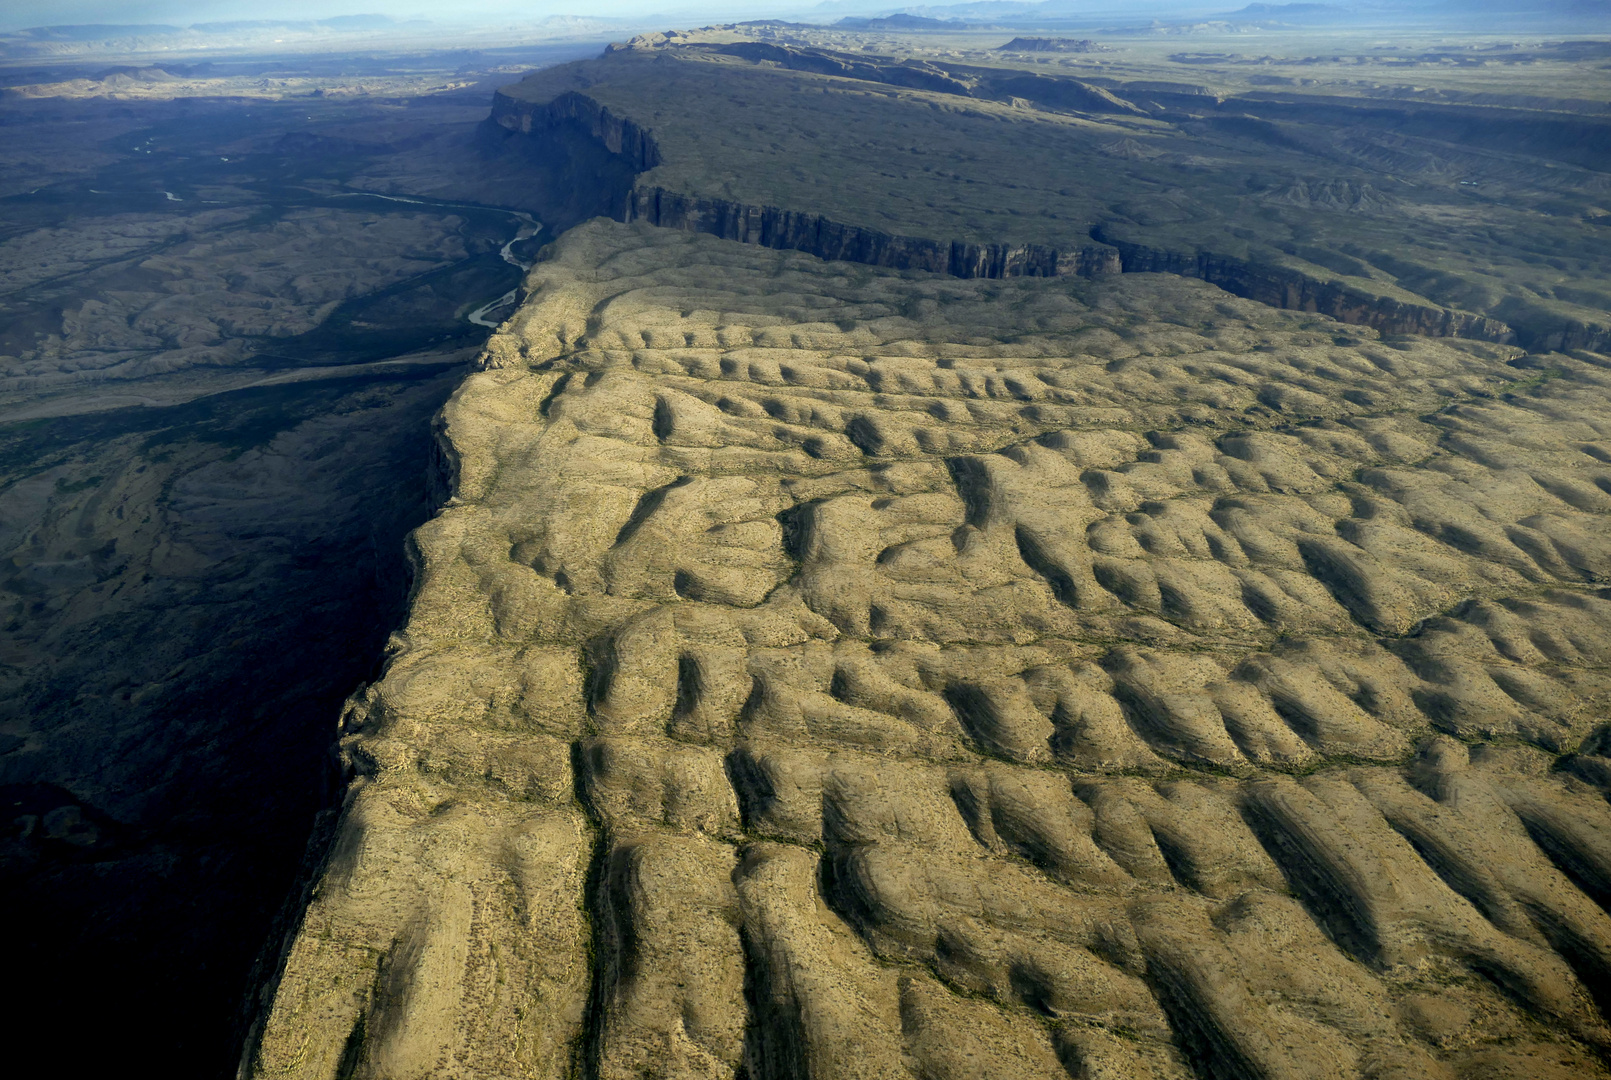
x=220, y=353
x=1003, y=559
x=822, y=670
x=883, y=626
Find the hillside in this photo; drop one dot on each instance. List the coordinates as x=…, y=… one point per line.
x=826, y=670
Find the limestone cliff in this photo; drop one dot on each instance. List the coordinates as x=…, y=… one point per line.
x=778, y=227
x=813, y=234
x=1284, y=287
x=619, y=136
x=827, y=671
x=566, y=103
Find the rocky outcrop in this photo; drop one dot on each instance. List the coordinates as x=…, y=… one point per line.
x=619, y=135
x=1285, y=288
x=1544, y=331
x=1042, y=44
x=770, y=226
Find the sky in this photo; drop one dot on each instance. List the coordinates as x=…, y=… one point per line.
x=19, y=14
x=15, y=14
x=22, y=13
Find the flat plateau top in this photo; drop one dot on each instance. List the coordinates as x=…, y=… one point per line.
x=1462, y=199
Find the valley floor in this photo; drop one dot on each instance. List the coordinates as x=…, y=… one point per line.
x=225, y=325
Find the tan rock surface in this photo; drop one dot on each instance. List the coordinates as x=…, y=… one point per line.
x=827, y=671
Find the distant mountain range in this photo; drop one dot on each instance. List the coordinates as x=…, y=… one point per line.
x=101, y=31
x=1556, y=16
x=1586, y=15
x=899, y=21
x=84, y=40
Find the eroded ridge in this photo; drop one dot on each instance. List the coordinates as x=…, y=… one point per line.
x=822, y=671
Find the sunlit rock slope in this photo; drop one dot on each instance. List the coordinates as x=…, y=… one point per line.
x=825, y=671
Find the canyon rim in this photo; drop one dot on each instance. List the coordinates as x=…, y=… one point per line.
x=912, y=546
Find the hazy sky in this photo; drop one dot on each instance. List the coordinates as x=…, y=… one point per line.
x=22, y=13
x=18, y=14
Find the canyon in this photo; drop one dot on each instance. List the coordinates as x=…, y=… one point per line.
x=223, y=334
x=788, y=551
x=893, y=624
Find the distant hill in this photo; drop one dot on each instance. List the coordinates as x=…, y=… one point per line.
x=1041, y=44
x=339, y=22
x=93, y=31
x=1266, y=11
x=898, y=22
x=1307, y=14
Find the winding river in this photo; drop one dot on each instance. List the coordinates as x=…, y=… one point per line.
x=529, y=227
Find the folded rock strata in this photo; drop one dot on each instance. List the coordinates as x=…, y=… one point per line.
x=836, y=672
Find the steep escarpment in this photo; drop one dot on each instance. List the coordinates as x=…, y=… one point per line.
x=813, y=234
x=573, y=113
x=620, y=136
x=578, y=160
x=1283, y=287
x=998, y=172
x=822, y=670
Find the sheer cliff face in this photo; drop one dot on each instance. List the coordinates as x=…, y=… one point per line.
x=1462, y=214
x=834, y=672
